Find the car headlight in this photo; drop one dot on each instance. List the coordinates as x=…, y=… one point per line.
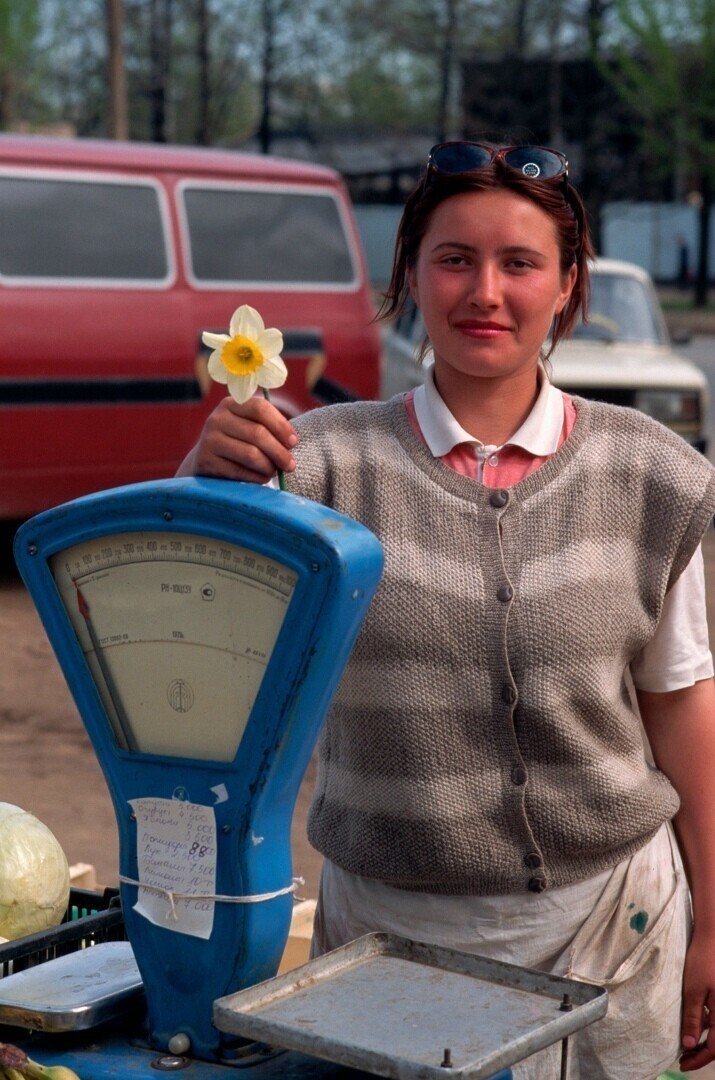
x=670, y=406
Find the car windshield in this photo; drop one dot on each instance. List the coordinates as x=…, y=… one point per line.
x=622, y=308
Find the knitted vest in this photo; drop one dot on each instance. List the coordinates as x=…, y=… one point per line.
x=483, y=739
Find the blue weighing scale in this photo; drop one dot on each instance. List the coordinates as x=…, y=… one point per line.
x=202, y=627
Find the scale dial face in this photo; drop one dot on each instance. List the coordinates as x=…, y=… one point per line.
x=177, y=630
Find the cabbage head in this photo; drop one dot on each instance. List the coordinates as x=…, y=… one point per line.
x=34, y=875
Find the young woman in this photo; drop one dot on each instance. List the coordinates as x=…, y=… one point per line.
x=482, y=780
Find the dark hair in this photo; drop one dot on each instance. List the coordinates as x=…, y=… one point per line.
x=560, y=201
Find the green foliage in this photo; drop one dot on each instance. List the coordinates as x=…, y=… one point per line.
x=353, y=66
x=69, y=66
x=18, y=29
x=664, y=69
x=384, y=67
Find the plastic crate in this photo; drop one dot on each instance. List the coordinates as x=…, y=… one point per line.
x=91, y=917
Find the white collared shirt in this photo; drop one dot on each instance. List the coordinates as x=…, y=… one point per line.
x=539, y=434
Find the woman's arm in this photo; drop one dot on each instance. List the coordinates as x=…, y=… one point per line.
x=242, y=442
x=681, y=730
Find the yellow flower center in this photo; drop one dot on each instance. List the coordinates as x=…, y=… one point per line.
x=241, y=356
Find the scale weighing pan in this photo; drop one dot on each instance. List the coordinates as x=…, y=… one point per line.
x=73, y=992
x=410, y=1011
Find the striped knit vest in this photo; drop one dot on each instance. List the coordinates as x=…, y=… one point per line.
x=483, y=739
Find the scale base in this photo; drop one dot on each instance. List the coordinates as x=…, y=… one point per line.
x=103, y=1057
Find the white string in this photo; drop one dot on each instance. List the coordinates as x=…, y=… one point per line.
x=172, y=897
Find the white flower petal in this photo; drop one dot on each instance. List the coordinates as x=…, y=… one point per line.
x=246, y=322
x=272, y=373
x=242, y=387
x=270, y=342
x=217, y=371
x=214, y=341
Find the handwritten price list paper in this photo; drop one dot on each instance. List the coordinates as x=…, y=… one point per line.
x=176, y=852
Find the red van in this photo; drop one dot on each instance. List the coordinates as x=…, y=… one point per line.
x=114, y=257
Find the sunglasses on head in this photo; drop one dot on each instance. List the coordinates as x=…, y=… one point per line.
x=462, y=158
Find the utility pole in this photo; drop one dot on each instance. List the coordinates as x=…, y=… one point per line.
x=203, y=125
x=118, y=110
x=159, y=65
x=446, y=71
x=555, y=89
x=265, y=129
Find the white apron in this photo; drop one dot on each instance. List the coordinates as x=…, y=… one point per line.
x=626, y=929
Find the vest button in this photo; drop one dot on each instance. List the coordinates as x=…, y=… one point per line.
x=508, y=693
x=499, y=498
x=532, y=859
x=505, y=593
x=518, y=775
x=536, y=884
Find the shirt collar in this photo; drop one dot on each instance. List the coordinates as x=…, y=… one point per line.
x=539, y=434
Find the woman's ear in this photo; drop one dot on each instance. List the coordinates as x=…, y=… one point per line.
x=567, y=283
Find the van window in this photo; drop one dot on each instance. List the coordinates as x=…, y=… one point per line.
x=248, y=235
x=52, y=229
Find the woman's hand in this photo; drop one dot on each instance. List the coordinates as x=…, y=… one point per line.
x=699, y=996
x=242, y=442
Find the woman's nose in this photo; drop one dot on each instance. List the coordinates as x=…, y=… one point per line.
x=486, y=288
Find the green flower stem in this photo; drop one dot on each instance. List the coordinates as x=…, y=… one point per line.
x=281, y=477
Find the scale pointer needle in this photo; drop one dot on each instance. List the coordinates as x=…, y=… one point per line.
x=122, y=717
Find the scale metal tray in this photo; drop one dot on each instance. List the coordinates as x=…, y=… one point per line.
x=391, y=1007
x=73, y=992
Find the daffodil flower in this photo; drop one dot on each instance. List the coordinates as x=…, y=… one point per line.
x=247, y=357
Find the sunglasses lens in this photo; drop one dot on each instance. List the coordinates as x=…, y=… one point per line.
x=459, y=157
x=536, y=162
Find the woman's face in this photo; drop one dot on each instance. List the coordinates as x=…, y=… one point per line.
x=488, y=282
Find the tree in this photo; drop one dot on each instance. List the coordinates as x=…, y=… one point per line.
x=419, y=45
x=269, y=15
x=70, y=65
x=203, y=121
x=18, y=29
x=159, y=66
x=448, y=24
x=663, y=67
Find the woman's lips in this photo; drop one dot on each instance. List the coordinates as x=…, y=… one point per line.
x=482, y=329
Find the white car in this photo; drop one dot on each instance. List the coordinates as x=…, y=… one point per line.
x=622, y=355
